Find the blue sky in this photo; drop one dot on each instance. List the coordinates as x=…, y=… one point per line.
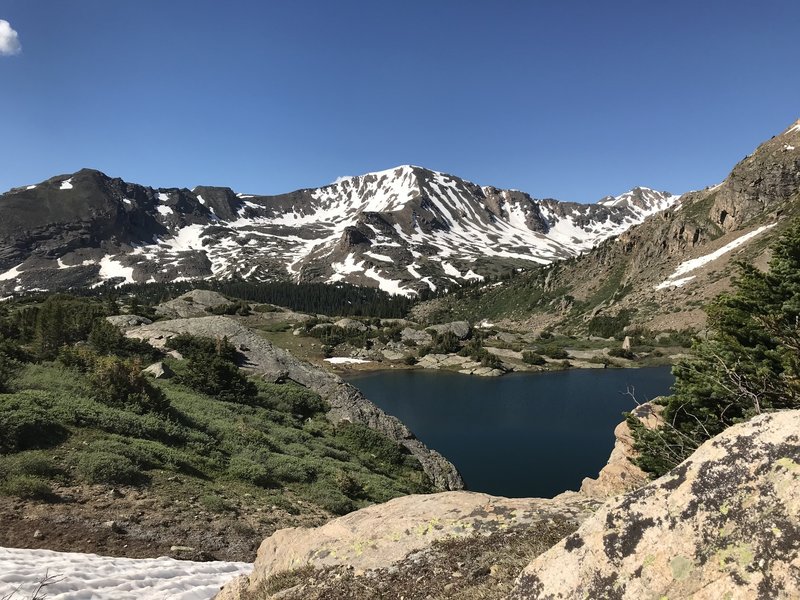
x=569, y=99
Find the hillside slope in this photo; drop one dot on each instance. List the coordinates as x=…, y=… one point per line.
x=661, y=271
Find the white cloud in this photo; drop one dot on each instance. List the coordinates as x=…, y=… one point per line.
x=9, y=40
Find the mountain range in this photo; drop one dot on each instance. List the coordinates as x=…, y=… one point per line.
x=404, y=230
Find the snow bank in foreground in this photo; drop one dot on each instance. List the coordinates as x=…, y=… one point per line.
x=92, y=577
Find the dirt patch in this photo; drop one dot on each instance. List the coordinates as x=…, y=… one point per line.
x=138, y=523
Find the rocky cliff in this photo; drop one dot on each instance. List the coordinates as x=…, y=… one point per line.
x=723, y=524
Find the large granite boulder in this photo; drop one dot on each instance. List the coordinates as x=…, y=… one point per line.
x=460, y=329
x=725, y=523
x=275, y=364
x=191, y=304
x=379, y=536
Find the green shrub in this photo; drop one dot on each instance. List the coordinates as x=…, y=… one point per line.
x=35, y=464
x=25, y=425
x=533, y=358
x=365, y=441
x=609, y=326
x=122, y=384
x=107, y=468
x=327, y=496
x=243, y=467
x=27, y=487
x=288, y=469
x=215, y=504
x=554, y=352
x=621, y=353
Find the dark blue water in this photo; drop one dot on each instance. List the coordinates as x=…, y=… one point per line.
x=524, y=434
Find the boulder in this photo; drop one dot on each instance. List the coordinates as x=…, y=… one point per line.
x=390, y=354
x=351, y=324
x=275, y=364
x=415, y=336
x=725, y=523
x=626, y=343
x=125, y=321
x=158, y=371
x=460, y=329
x=380, y=535
x=191, y=304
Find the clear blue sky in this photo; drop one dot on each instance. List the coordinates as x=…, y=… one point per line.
x=565, y=99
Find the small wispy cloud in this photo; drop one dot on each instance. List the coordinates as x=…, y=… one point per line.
x=9, y=40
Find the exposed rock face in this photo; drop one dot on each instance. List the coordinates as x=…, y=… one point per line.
x=723, y=524
x=125, y=321
x=415, y=336
x=620, y=475
x=191, y=304
x=460, y=329
x=346, y=402
x=754, y=185
x=381, y=535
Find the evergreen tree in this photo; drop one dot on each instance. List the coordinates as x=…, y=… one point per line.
x=749, y=363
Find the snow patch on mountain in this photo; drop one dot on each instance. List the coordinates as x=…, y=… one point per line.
x=687, y=266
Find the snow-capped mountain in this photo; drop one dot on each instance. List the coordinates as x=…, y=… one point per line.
x=403, y=229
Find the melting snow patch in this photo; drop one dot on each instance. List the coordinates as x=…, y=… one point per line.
x=200, y=199
x=163, y=197
x=127, y=201
x=382, y=257
x=788, y=147
x=675, y=280
x=110, y=268
x=31, y=187
x=11, y=273
x=341, y=360
x=66, y=184
x=388, y=285
x=164, y=210
x=107, y=578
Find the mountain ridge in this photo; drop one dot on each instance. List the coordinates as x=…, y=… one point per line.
x=404, y=230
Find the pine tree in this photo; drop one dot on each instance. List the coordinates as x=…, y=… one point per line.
x=749, y=363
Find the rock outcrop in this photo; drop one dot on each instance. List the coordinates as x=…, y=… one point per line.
x=192, y=304
x=379, y=536
x=620, y=475
x=275, y=364
x=725, y=523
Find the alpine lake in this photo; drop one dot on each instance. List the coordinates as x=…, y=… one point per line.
x=520, y=435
